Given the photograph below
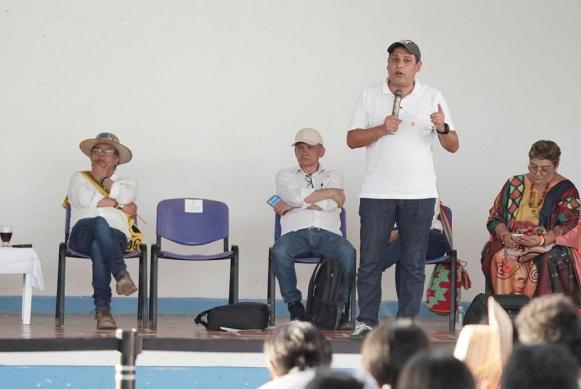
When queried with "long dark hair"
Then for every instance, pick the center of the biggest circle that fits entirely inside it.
(433, 370)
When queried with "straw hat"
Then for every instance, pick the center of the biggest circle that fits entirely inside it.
(112, 140)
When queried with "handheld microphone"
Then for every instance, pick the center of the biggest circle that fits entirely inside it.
(396, 102)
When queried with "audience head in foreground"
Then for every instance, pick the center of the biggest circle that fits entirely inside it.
(541, 366)
(431, 370)
(292, 351)
(552, 318)
(334, 380)
(389, 346)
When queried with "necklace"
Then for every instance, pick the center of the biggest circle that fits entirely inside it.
(534, 209)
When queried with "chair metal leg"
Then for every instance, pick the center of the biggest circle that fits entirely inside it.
(153, 288)
(142, 293)
(234, 265)
(60, 288)
(353, 299)
(271, 292)
(453, 297)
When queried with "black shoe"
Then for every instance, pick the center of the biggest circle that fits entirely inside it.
(297, 311)
(345, 324)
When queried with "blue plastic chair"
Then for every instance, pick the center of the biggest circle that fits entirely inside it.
(65, 252)
(446, 257)
(191, 228)
(271, 292)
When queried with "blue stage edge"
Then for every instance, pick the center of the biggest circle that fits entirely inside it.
(103, 377)
(167, 306)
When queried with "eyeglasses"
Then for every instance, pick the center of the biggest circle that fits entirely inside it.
(100, 150)
(309, 180)
(534, 169)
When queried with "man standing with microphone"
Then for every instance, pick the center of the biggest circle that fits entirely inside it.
(397, 122)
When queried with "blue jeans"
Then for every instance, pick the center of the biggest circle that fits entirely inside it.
(378, 216)
(437, 247)
(105, 246)
(313, 242)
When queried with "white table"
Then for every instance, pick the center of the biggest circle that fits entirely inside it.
(23, 261)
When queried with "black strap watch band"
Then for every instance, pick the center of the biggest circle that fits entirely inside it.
(446, 130)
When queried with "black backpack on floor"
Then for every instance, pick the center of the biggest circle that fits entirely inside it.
(323, 301)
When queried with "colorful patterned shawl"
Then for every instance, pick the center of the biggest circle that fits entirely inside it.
(560, 212)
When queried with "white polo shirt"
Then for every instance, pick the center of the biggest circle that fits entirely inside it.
(400, 166)
(293, 187)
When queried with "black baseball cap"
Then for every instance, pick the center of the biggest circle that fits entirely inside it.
(408, 45)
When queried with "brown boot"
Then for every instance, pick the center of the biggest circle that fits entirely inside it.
(105, 320)
(125, 285)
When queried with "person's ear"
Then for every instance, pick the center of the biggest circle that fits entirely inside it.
(273, 372)
(322, 152)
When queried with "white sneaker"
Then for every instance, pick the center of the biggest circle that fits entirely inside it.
(361, 330)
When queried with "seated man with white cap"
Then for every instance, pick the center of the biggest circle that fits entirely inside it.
(312, 197)
(100, 204)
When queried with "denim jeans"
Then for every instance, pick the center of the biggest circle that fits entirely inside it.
(305, 243)
(378, 216)
(437, 247)
(105, 246)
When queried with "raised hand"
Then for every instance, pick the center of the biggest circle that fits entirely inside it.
(438, 119)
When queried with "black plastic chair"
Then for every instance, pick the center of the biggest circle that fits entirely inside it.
(191, 227)
(271, 292)
(65, 252)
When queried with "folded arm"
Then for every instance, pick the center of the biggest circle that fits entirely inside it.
(82, 193)
(293, 195)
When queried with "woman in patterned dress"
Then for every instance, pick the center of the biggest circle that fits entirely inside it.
(528, 215)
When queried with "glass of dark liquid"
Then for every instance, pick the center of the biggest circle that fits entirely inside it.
(5, 235)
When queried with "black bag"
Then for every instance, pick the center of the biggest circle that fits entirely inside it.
(241, 316)
(323, 307)
(478, 309)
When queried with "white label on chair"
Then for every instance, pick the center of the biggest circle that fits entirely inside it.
(194, 206)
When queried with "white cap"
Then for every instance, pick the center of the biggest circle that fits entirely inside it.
(309, 136)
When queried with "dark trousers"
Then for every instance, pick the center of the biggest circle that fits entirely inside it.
(305, 243)
(378, 216)
(105, 245)
(437, 247)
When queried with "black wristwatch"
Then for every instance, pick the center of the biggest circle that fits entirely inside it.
(446, 130)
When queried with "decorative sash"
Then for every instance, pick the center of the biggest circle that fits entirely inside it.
(136, 234)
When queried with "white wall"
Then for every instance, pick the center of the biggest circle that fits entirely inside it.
(209, 94)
